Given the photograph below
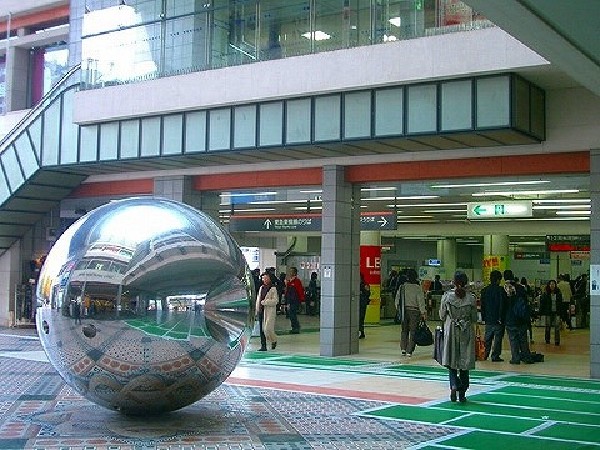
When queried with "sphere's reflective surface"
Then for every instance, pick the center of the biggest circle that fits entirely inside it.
(144, 305)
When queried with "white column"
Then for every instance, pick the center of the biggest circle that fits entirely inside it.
(446, 253)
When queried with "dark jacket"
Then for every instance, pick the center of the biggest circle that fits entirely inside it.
(519, 295)
(493, 304)
(365, 294)
(546, 304)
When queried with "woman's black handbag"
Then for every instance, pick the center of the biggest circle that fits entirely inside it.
(423, 335)
(438, 344)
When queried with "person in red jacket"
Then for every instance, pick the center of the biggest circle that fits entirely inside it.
(294, 296)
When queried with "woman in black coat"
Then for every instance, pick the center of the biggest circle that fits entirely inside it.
(551, 309)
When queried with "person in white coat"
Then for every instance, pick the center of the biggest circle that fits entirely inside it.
(266, 311)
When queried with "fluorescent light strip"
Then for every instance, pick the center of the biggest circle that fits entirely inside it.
(415, 217)
(574, 213)
(552, 207)
(279, 202)
(444, 210)
(304, 208)
(426, 205)
(227, 211)
(511, 193)
(410, 197)
(564, 200)
(386, 188)
(243, 194)
(312, 191)
(498, 183)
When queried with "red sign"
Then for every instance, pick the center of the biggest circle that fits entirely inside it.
(370, 263)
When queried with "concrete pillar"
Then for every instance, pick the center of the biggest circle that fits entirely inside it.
(339, 264)
(495, 255)
(370, 238)
(17, 67)
(179, 188)
(446, 253)
(595, 264)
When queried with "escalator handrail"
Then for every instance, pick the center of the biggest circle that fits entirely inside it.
(40, 106)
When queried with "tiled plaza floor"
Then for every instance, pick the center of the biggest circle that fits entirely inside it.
(291, 399)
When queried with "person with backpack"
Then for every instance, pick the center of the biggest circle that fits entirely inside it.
(517, 320)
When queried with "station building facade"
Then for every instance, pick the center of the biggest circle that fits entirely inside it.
(189, 99)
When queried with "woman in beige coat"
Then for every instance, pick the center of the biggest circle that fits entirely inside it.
(458, 311)
(266, 310)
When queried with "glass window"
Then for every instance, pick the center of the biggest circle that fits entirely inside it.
(109, 135)
(284, 29)
(538, 115)
(422, 109)
(245, 126)
(4, 191)
(130, 138)
(234, 33)
(398, 19)
(220, 129)
(51, 134)
(186, 44)
(56, 64)
(26, 155)
(88, 143)
(357, 115)
(271, 124)
(389, 112)
(493, 100)
(521, 104)
(35, 133)
(329, 32)
(195, 132)
(150, 136)
(456, 103)
(69, 131)
(327, 118)
(172, 131)
(297, 123)
(11, 167)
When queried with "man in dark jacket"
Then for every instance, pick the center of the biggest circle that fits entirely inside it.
(493, 311)
(517, 318)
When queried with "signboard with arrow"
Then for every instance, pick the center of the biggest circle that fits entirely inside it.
(306, 222)
(499, 209)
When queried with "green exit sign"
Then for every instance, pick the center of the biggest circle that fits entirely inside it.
(486, 210)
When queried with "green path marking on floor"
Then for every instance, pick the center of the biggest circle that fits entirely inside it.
(478, 440)
(496, 423)
(571, 432)
(473, 406)
(562, 393)
(563, 382)
(415, 413)
(530, 399)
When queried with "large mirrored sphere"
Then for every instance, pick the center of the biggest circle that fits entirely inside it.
(144, 305)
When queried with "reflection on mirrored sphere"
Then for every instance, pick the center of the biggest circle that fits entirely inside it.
(144, 305)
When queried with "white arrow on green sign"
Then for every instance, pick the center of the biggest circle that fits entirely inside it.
(499, 209)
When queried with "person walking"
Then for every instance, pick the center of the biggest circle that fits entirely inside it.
(410, 300)
(364, 299)
(564, 285)
(493, 311)
(550, 304)
(313, 294)
(266, 310)
(294, 297)
(458, 311)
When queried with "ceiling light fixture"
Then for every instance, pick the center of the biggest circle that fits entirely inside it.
(317, 35)
(396, 21)
(385, 188)
(512, 193)
(243, 194)
(552, 207)
(497, 183)
(573, 213)
(564, 200)
(410, 197)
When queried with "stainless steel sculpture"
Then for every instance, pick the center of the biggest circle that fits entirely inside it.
(144, 305)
